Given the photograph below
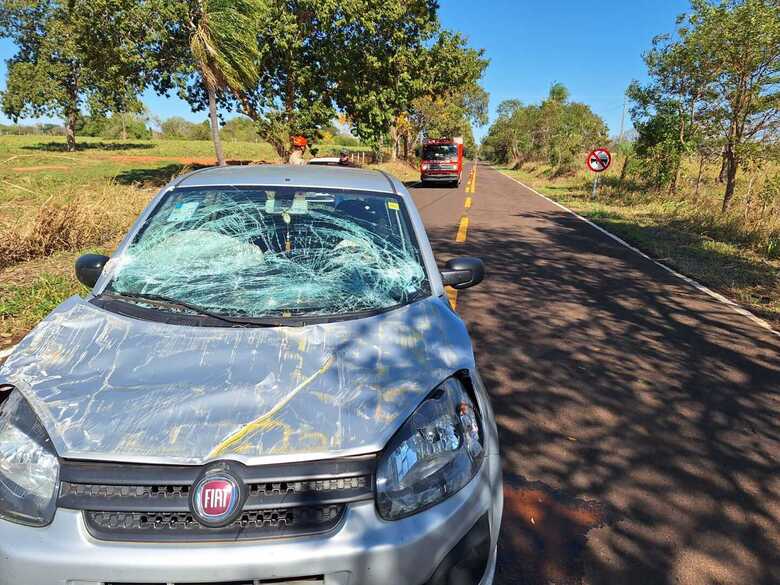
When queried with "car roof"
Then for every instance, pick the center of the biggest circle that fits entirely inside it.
(318, 176)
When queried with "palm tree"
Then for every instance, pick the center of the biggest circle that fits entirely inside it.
(223, 42)
(559, 93)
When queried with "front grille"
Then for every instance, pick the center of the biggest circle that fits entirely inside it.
(319, 580)
(128, 502)
(311, 486)
(251, 525)
(124, 492)
(175, 498)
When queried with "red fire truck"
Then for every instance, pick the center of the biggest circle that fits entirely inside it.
(442, 160)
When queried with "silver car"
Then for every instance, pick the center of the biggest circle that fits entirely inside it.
(266, 384)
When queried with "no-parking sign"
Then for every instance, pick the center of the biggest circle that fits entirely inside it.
(599, 160)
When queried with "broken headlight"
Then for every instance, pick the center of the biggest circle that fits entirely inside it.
(29, 468)
(433, 455)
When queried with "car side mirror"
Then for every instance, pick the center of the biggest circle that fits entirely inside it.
(89, 267)
(463, 272)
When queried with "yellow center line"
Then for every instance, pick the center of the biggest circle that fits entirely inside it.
(472, 182)
(452, 295)
(463, 228)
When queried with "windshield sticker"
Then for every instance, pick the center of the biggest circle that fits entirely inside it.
(183, 211)
(393, 205)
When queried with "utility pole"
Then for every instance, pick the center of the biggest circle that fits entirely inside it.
(623, 118)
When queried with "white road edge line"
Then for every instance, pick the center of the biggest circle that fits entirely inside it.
(716, 295)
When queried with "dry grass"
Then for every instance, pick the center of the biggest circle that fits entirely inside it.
(37, 250)
(401, 170)
(752, 222)
(68, 223)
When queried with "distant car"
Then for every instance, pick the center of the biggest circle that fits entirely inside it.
(266, 384)
(325, 160)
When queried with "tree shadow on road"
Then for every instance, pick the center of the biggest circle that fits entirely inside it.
(618, 388)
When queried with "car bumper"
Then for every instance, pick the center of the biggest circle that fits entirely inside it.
(441, 176)
(365, 550)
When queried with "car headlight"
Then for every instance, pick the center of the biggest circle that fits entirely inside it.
(425, 166)
(29, 468)
(434, 454)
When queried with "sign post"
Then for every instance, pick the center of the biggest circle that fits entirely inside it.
(598, 161)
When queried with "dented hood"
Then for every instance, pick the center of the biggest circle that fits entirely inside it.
(110, 387)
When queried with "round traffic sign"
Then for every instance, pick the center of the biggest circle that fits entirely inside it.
(599, 160)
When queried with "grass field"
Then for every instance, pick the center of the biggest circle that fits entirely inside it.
(56, 205)
(737, 254)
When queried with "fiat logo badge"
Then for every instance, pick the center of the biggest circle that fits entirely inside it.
(215, 499)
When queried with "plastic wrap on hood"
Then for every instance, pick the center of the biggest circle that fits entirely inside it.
(117, 388)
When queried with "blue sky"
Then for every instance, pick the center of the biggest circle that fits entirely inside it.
(595, 49)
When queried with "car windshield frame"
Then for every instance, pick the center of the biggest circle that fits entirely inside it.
(111, 297)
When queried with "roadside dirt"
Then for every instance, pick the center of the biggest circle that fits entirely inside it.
(126, 158)
(41, 168)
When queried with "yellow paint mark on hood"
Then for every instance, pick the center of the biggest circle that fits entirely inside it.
(259, 422)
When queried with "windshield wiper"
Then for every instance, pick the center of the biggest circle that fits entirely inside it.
(190, 307)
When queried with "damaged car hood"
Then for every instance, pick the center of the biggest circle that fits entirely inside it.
(111, 387)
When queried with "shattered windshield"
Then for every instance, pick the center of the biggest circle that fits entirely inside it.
(440, 152)
(275, 252)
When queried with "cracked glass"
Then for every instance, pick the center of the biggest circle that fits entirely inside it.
(275, 252)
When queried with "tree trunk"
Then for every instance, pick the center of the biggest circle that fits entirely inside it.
(394, 140)
(723, 167)
(698, 177)
(214, 122)
(731, 176)
(623, 171)
(675, 178)
(124, 127)
(406, 146)
(70, 130)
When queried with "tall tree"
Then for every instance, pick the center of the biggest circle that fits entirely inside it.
(223, 43)
(50, 74)
(359, 58)
(205, 50)
(722, 67)
(314, 59)
(556, 131)
(451, 99)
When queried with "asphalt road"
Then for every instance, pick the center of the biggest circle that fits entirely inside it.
(639, 417)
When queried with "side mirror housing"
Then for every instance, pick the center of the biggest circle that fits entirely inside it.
(89, 267)
(463, 272)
